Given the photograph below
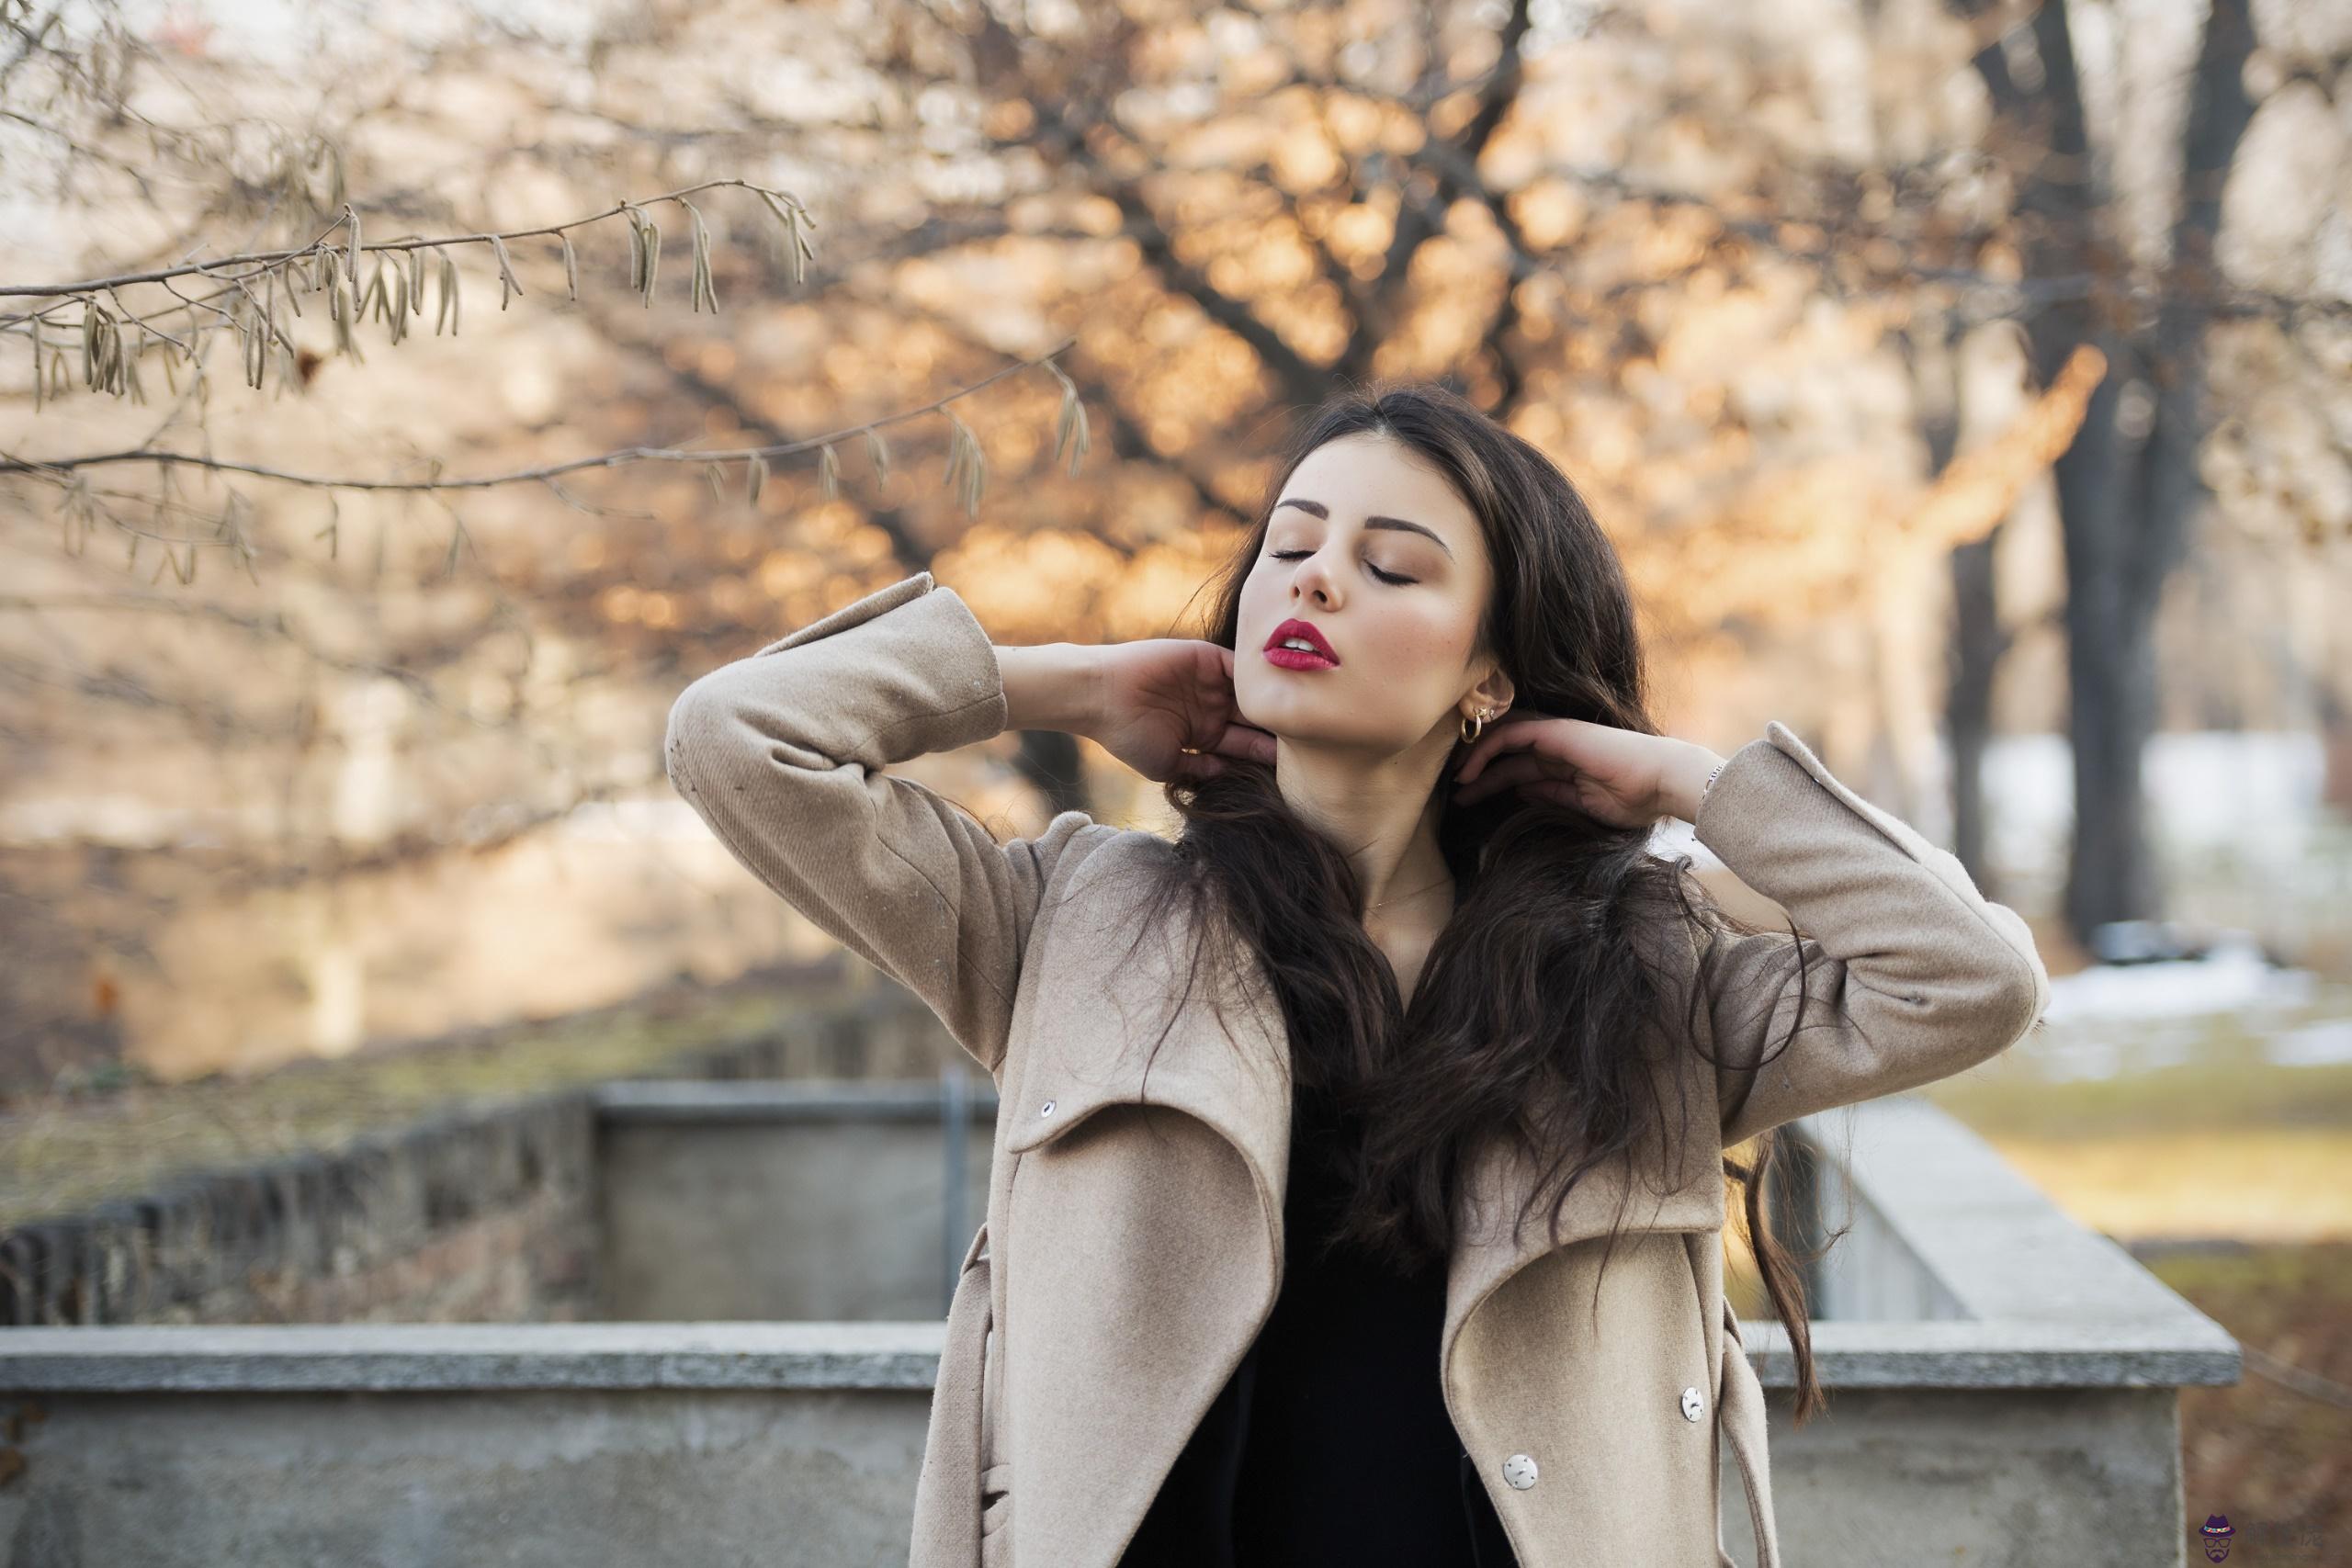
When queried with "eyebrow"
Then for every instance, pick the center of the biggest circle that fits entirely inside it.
(1319, 510)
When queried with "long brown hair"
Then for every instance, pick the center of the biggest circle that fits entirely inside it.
(1537, 1001)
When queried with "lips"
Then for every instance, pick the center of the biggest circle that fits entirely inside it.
(1323, 658)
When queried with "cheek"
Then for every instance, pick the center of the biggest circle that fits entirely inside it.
(1412, 649)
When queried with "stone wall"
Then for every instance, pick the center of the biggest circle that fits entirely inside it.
(485, 1215)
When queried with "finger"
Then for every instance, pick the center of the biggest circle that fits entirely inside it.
(1197, 765)
(1504, 772)
(1503, 737)
(1246, 741)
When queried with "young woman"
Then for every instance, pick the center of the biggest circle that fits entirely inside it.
(1360, 1168)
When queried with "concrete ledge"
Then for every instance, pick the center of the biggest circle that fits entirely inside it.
(805, 1100)
(2011, 1293)
(456, 1357)
(856, 1356)
(1994, 1356)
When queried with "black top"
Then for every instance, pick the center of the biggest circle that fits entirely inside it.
(1330, 1443)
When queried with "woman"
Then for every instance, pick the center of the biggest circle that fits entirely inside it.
(1353, 1198)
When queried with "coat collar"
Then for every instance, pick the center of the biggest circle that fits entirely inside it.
(1228, 1066)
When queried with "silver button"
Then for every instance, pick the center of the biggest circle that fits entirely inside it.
(1047, 1109)
(1691, 1405)
(1519, 1471)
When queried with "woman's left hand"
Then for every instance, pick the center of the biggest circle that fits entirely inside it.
(1621, 777)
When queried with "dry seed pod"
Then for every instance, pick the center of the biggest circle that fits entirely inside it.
(796, 246)
(829, 471)
(401, 309)
(448, 308)
(346, 312)
(701, 289)
(571, 268)
(758, 480)
(1070, 431)
(967, 465)
(879, 451)
(506, 278)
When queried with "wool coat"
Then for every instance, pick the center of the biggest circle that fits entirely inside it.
(1133, 1244)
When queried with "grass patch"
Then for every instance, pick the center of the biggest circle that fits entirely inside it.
(2009, 1098)
(2272, 1458)
(2249, 1183)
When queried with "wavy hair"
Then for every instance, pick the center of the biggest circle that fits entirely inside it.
(1542, 1004)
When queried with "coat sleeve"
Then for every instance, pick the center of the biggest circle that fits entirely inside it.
(1909, 974)
(784, 754)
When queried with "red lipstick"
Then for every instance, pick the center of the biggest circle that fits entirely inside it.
(1317, 655)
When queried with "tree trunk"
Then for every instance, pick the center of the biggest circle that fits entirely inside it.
(2128, 487)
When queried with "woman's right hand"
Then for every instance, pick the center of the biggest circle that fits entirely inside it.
(1163, 699)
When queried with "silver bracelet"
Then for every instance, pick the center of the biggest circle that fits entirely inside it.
(1710, 780)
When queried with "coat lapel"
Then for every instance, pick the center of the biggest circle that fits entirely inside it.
(1683, 1194)
(1144, 1201)
(1483, 1357)
(1230, 1073)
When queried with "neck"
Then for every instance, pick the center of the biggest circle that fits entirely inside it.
(1382, 812)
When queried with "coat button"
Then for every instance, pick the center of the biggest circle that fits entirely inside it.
(1519, 1471)
(1691, 1405)
(1047, 1109)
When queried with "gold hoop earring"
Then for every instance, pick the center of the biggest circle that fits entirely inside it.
(1469, 729)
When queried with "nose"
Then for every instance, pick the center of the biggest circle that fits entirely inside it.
(1313, 579)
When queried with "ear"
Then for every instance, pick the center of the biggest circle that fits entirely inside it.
(1494, 692)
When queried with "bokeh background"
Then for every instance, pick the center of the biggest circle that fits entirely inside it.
(1965, 385)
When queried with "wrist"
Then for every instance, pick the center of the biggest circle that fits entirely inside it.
(1051, 685)
(1690, 778)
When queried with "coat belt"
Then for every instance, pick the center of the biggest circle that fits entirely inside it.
(1740, 1410)
(948, 1490)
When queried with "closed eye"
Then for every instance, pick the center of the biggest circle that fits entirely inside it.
(1384, 576)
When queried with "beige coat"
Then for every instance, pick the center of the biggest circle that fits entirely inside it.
(1127, 1264)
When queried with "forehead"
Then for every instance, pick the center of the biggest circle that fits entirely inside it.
(1364, 473)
